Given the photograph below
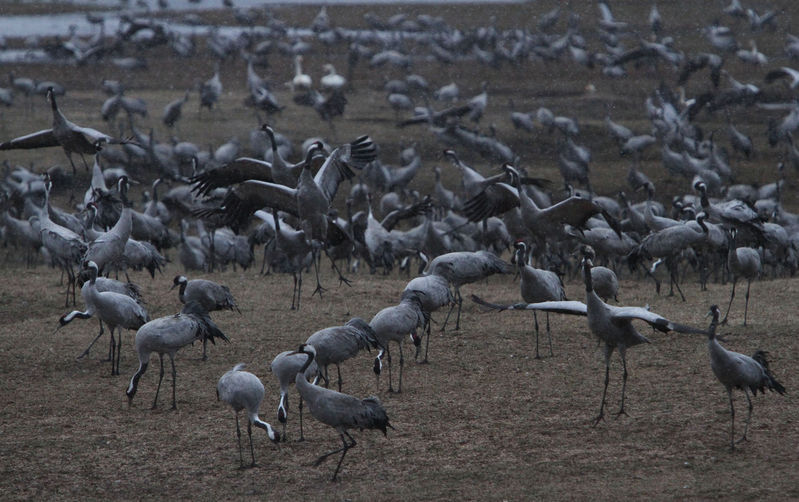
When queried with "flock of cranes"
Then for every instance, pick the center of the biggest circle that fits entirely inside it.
(723, 230)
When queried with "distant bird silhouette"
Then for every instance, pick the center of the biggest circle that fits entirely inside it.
(243, 390)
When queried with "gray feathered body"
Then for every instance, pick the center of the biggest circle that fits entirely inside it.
(338, 343)
(396, 322)
(437, 292)
(342, 411)
(464, 267)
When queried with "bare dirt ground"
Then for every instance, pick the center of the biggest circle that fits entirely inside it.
(483, 420)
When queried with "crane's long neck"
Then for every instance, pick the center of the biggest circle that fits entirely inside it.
(134, 380)
(263, 425)
(182, 291)
(589, 286)
(303, 385)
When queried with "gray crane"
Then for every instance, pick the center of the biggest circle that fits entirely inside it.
(393, 324)
(743, 262)
(107, 284)
(340, 411)
(108, 248)
(243, 390)
(65, 246)
(285, 366)
(298, 251)
(69, 136)
(210, 295)
(117, 310)
(173, 111)
(537, 285)
(336, 344)
(435, 293)
(604, 280)
(611, 324)
(465, 267)
(737, 370)
(167, 335)
(210, 90)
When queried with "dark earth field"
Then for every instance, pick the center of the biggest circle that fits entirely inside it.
(483, 420)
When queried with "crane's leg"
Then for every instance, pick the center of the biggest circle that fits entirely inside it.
(425, 328)
(378, 368)
(732, 420)
(282, 408)
(174, 377)
(746, 305)
(319, 289)
(299, 287)
(294, 291)
(343, 451)
(160, 377)
(302, 435)
(675, 279)
(119, 348)
(549, 337)
(748, 417)
(205, 343)
(608, 352)
(623, 354)
(451, 308)
(86, 352)
(252, 450)
(402, 364)
(388, 355)
(238, 435)
(459, 299)
(338, 370)
(341, 277)
(535, 321)
(113, 350)
(732, 295)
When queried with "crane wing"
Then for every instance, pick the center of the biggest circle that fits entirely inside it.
(658, 322)
(245, 198)
(39, 139)
(496, 199)
(237, 171)
(561, 307)
(342, 161)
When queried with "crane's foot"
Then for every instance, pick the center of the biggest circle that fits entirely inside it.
(742, 440)
(599, 418)
(319, 289)
(621, 412)
(84, 354)
(342, 279)
(204, 358)
(723, 322)
(423, 362)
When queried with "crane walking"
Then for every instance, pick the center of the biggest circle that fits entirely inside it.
(340, 411)
(737, 370)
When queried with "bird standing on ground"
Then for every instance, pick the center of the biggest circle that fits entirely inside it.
(336, 344)
(340, 411)
(243, 390)
(737, 370)
(115, 309)
(285, 366)
(611, 324)
(210, 295)
(166, 335)
(393, 324)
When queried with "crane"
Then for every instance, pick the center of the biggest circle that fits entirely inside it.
(737, 370)
(336, 344)
(166, 335)
(611, 324)
(338, 410)
(210, 295)
(285, 366)
(393, 324)
(243, 390)
(117, 310)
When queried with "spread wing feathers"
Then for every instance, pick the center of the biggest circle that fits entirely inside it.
(622, 315)
(342, 161)
(397, 215)
(574, 211)
(247, 197)
(496, 199)
(38, 139)
(571, 307)
(237, 171)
